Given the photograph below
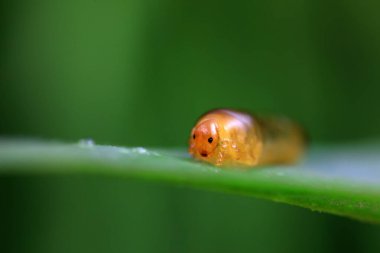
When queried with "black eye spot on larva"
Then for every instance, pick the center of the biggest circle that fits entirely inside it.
(210, 140)
(193, 136)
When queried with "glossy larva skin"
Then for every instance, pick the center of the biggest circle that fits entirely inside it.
(231, 138)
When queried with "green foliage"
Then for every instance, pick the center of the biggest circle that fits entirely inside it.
(139, 73)
(339, 180)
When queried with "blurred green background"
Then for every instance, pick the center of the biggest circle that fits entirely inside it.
(139, 73)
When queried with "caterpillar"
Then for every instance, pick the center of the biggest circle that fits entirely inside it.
(225, 137)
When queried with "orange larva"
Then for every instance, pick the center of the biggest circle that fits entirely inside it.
(226, 137)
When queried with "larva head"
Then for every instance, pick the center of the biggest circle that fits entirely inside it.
(204, 139)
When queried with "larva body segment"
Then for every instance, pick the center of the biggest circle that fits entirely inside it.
(231, 138)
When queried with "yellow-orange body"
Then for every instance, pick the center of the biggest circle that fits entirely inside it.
(231, 138)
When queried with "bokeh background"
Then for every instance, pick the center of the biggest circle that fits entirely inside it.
(139, 73)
